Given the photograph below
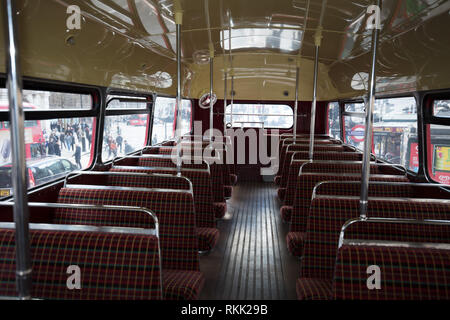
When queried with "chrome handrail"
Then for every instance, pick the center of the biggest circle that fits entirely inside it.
(382, 183)
(338, 162)
(352, 221)
(163, 169)
(74, 174)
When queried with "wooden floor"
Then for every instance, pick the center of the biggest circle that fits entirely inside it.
(251, 260)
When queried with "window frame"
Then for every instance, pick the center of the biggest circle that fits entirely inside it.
(174, 124)
(191, 117)
(35, 115)
(327, 124)
(126, 94)
(430, 119)
(363, 115)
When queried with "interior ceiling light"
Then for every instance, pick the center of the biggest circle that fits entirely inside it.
(262, 38)
(201, 56)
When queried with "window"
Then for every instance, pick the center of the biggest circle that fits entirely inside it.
(123, 135)
(260, 115)
(164, 118)
(441, 108)
(125, 129)
(123, 102)
(282, 39)
(334, 120)
(438, 144)
(395, 131)
(48, 100)
(355, 107)
(185, 117)
(53, 147)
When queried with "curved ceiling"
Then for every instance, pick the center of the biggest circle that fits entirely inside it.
(130, 44)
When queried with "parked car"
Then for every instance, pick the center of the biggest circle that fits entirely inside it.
(39, 171)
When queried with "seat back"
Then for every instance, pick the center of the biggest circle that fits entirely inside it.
(174, 209)
(382, 189)
(288, 150)
(329, 213)
(299, 158)
(406, 273)
(114, 265)
(305, 187)
(201, 184)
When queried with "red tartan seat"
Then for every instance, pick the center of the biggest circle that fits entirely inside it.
(306, 183)
(406, 273)
(294, 242)
(328, 215)
(182, 285)
(207, 238)
(220, 209)
(175, 212)
(216, 173)
(288, 151)
(201, 185)
(298, 159)
(96, 253)
(313, 289)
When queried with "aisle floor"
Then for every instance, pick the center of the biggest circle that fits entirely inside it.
(251, 260)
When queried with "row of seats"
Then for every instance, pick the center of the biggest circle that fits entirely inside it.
(185, 209)
(321, 195)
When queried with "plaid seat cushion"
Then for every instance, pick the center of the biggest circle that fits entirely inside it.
(182, 285)
(286, 213)
(313, 289)
(220, 208)
(99, 256)
(295, 242)
(406, 273)
(175, 212)
(207, 238)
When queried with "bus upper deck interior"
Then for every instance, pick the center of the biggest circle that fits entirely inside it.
(225, 149)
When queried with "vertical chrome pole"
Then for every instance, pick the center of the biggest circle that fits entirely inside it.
(225, 95)
(365, 175)
(232, 95)
(19, 168)
(297, 71)
(314, 102)
(178, 21)
(211, 83)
